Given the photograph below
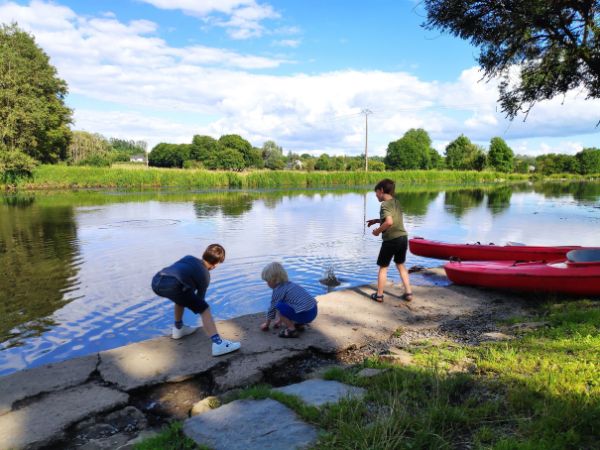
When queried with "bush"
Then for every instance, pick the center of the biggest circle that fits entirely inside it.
(95, 161)
(192, 164)
(15, 165)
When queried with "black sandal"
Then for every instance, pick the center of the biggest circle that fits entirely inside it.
(377, 298)
(408, 296)
(300, 327)
(287, 333)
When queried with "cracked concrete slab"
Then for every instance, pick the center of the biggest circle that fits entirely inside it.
(320, 392)
(43, 421)
(346, 319)
(251, 425)
(52, 377)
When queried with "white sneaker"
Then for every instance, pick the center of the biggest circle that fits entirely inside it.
(225, 347)
(178, 333)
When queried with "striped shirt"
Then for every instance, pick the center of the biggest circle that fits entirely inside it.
(292, 294)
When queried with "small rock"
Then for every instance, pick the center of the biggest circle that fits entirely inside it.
(495, 336)
(529, 326)
(368, 372)
(204, 405)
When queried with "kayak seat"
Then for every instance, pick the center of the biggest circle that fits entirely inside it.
(584, 255)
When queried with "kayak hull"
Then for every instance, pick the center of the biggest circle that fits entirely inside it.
(560, 276)
(478, 252)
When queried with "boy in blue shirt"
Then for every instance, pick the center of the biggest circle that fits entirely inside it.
(184, 283)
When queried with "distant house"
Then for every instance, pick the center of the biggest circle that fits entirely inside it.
(139, 158)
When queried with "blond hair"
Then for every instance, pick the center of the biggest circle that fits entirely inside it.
(274, 273)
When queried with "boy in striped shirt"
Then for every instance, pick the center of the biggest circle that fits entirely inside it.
(295, 306)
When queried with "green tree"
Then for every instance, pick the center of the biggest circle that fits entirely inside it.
(252, 157)
(500, 157)
(436, 160)
(169, 155)
(588, 160)
(33, 115)
(272, 155)
(227, 159)
(86, 147)
(203, 148)
(556, 163)
(411, 151)
(323, 162)
(462, 154)
(376, 166)
(554, 44)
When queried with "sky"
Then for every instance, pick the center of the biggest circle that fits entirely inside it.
(300, 73)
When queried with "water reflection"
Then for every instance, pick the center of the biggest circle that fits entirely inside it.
(460, 201)
(498, 200)
(38, 257)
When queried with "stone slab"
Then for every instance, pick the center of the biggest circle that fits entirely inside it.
(250, 425)
(51, 377)
(320, 392)
(43, 421)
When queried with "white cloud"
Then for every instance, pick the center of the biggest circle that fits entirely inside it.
(126, 64)
(243, 17)
(292, 43)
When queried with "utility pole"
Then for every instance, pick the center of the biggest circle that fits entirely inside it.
(366, 112)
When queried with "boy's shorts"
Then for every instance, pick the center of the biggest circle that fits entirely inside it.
(395, 248)
(171, 288)
(302, 318)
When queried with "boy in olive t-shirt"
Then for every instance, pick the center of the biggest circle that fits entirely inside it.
(395, 238)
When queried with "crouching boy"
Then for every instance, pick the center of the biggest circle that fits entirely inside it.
(295, 306)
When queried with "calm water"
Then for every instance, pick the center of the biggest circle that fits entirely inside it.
(76, 267)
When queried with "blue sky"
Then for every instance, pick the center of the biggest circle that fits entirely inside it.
(298, 73)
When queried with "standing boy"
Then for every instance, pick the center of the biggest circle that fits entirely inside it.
(395, 238)
(185, 283)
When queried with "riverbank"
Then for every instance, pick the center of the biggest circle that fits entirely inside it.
(49, 177)
(434, 340)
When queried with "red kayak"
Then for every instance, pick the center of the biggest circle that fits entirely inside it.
(481, 252)
(578, 275)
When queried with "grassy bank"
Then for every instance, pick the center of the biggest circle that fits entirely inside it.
(70, 177)
(540, 391)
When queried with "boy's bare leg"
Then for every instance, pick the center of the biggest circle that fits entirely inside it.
(208, 323)
(381, 279)
(178, 313)
(405, 278)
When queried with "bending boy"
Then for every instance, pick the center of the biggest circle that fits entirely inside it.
(184, 283)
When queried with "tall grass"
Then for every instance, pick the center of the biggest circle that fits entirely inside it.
(69, 177)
